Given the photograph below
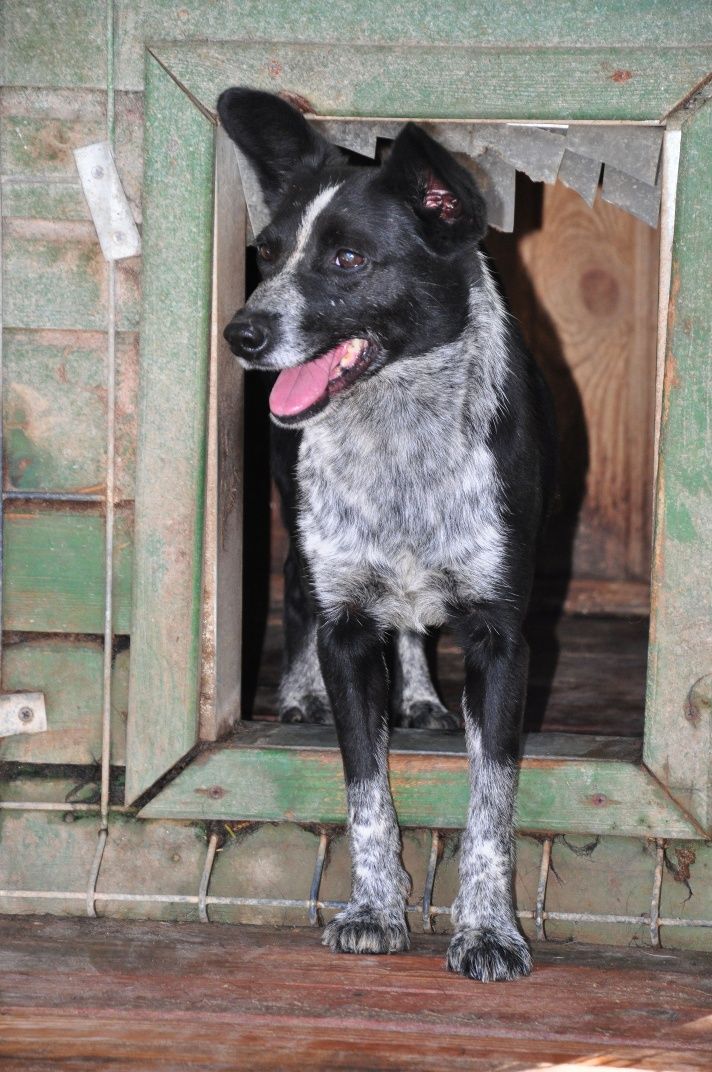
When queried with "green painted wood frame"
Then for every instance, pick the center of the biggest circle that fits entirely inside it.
(667, 791)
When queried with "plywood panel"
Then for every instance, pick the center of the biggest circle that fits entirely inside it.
(583, 284)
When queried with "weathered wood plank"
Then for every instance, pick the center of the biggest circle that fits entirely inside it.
(178, 201)
(490, 25)
(128, 147)
(69, 673)
(580, 796)
(54, 43)
(44, 200)
(54, 411)
(221, 656)
(151, 858)
(54, 572)
(42, 851)
(40, 128)
(467, 82)
(678, 742)
(56, 277)
(264, 998)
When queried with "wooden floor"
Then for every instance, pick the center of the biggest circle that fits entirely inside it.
(127, 997)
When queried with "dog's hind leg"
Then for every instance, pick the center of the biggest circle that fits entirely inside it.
(417, 704)
(302, 694)
(487, 944)
(351, 651)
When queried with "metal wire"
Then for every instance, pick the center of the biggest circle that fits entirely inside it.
(94, 872)
(657, 887)
(205, 879)
(18, 495)
(430, 879)
(110, 460)
(316, 879)
(313, 904)
(541, 889)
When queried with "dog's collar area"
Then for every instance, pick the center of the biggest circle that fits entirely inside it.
(306, 388)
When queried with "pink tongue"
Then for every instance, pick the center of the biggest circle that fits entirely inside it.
(300, 388)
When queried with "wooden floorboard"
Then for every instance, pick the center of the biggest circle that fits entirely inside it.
(101, 994)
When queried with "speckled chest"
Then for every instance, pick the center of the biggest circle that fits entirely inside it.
(399, 514)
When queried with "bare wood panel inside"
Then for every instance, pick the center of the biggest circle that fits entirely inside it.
(583, 284)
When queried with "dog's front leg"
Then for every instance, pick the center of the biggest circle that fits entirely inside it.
(487, 944)
(351, 653)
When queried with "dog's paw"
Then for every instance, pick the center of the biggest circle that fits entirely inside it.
(489, 955)
(310, 708)
(361, 929)
(429, 715)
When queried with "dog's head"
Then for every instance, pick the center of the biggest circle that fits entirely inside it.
(360, 266)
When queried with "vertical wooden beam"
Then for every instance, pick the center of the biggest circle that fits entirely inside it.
(177, 265)
(678, 737)
(222, 562)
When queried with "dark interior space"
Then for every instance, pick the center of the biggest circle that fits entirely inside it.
(582, 284)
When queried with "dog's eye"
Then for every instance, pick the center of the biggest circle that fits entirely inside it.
(265, 252)
(349, 258)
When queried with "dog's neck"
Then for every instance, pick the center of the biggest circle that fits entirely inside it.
(451, 391)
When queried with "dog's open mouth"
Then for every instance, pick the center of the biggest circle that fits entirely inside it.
(312, 384)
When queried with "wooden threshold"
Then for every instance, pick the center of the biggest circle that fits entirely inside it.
(568, 783)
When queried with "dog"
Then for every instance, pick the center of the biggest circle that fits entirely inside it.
(421, 478)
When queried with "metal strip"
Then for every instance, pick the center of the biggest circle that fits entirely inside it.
(110, 458)
(205, 878)
(657, 887)
(17, 495)
(94, 872)
(284, 902)
(109, 207)
(669, 169)
(22, 712)
(316, 879)
(541, 889)
(430, 879)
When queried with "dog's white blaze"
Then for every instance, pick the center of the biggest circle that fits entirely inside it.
(306, 225)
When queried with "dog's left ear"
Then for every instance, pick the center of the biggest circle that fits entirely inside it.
(274, 136)
(439, 190)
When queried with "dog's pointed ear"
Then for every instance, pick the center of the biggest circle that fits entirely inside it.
(441, 192)
(274, 136)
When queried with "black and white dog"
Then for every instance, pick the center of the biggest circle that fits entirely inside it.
(423, 470)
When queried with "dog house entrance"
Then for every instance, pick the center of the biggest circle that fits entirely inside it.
(580, 272)
(576, 249)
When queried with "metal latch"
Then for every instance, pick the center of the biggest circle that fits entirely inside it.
(22, 712)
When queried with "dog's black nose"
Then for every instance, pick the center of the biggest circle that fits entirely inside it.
(249, 335)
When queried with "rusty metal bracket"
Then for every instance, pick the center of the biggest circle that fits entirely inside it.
(22, 712)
